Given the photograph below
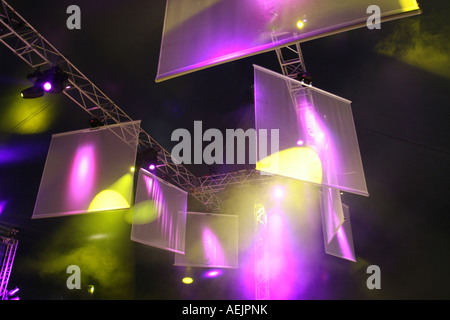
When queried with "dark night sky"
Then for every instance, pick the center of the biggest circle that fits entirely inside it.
(400, 106)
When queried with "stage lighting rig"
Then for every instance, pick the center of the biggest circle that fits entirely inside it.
(305, 77)
(53, 80)
(94, 123)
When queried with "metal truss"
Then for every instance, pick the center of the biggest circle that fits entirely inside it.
(290, 57)
(213, 184)
(292, 66)
(7, 239)
(291, 63)
(262, 290)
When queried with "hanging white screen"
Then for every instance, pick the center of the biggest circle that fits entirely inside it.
(331, 212)
(88, 170)
(338, 239)
(159, 217)
(211, 241)
(198, 34)
(313, 130)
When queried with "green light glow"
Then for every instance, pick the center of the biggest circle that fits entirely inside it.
(144, 212)
(108, 200)
(27, 116)
(422, 42)
(106, 263)
(113, 197)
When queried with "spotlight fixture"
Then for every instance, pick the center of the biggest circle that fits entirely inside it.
(53, 80)
(47, 86)
(148, 159)
(32, 92)
(95, 123)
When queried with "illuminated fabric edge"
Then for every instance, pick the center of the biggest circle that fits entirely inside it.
(154, 245)
(142, 170)
(346, 223)
(358, 192)
(389, 16)
(87, 130)
(71, 213)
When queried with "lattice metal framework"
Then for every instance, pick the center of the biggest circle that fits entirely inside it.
(7, 239)
(262, 290)
(213, 184)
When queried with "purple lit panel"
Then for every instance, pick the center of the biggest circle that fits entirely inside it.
(83, 174)
(331, 212)
(159, 217)
(3, 204)
(88, 171)
(211, 241)
(341, 242)
(328, 154)
(199, 34)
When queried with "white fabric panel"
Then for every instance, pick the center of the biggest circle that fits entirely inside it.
(198, 34)
(211, 241)
(315, 132)
(341, 245)
(88, 170)
(159, 217)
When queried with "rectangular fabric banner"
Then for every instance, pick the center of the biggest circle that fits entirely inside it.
(315, 133)
(88, 170)
(211, 241)
(199, 34)
(159, 215)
